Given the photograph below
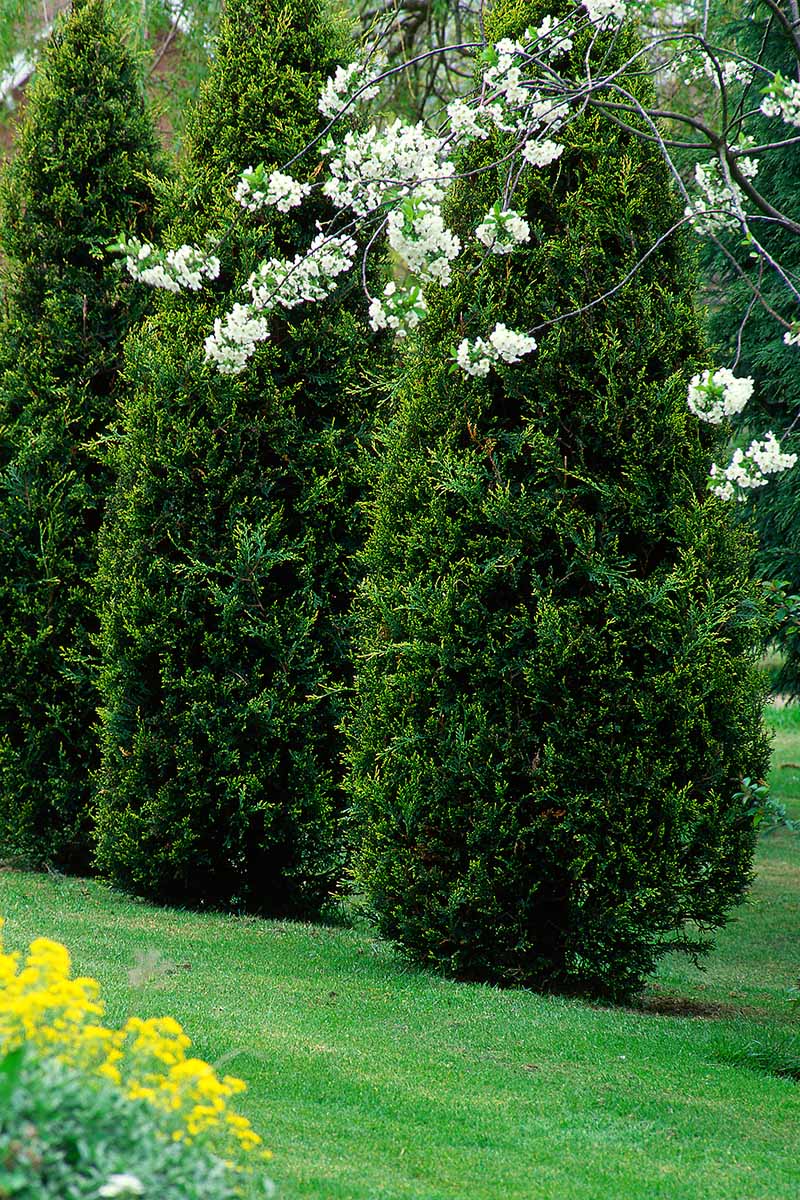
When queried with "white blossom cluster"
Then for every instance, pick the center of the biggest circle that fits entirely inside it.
(417, 232)
(373, 168)
(508, 105)
(400, 309)
(507, 100)
(172, 270)
(123, 1185)
(277, 283)
(234, 339)
(783, 100)
(256, 190)
(541, 153)
(502, 230)
(503, 73)
(604, 12)
(308, 277)
(551, 39)
(750, 468)
(284, 192)
(792, 336)
(464, 121)
(716, 207)
(722, 74)
(343, 85)
(503, 345)
(715, 397)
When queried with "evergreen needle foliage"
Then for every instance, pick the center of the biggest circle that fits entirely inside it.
(759, 338)
(85, 152)
(556, 695)
(225, 575)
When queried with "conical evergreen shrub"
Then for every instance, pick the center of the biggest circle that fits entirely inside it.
(774, 366)
(556, 697)
(85, 151)
(225, 575)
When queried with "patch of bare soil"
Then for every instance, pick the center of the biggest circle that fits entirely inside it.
(673, 1004)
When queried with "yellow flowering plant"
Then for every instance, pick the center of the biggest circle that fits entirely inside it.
(43, 1007)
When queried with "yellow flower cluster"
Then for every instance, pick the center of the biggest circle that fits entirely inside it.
(42, 1006)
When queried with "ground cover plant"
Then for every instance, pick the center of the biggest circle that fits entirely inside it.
(87, 1110)
(86, 151)
(371, 1080)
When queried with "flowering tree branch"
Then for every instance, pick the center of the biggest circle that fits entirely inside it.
(389, 182)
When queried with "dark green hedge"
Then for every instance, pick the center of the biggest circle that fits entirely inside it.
(225, 574)
(80, 173)
(556, 696)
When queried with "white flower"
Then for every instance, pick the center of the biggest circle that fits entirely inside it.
(502, 230)
(474, 358)
(332, 101)
(285, 192)
(122, 1185)
(768, 457)
(419, 235)
(504, 345)
(783, 100)
(171, 270)
(604, 12)
(401, 309)
(342, 86)
(235, 338)
(721, 73)
(552, 38)
(792, 336)
(503, 75)
(720, 202)
(510, 346)
(541, 153)
(309, 276)
(370, 169)
(750, 468)
(464, 120)
(712, 398)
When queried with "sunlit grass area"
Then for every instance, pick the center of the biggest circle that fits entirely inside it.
(371, 1080)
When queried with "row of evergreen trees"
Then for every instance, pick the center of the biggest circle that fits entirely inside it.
(554, 694)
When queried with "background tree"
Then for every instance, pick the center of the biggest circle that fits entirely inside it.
(86, 151)
(746, 331)
(171, 38)
(225, 573)
(556, 696)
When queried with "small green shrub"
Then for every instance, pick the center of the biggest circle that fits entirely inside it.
(557, 698)
(85, 150)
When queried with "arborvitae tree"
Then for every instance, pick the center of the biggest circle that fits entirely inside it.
(85, 153)
(556, 697)
(225, 575)
(763, 354)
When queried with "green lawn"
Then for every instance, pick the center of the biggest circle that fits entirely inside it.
(373, 1081)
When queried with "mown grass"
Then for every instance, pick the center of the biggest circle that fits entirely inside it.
(373, 1081)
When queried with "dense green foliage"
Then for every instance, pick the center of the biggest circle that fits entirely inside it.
(556, 691)
(773, 365)
(225, 577)
(81, 172)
